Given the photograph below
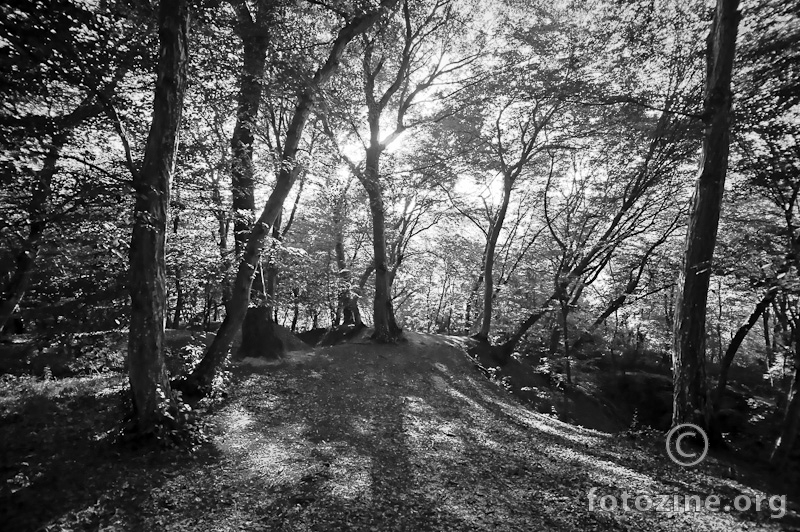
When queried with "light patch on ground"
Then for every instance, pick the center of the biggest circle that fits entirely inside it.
(351, 477)
(237, 420)
(292, 357)
(477, 409)
(549, 425)
(439, 383)
(362, 425)
(259, 362)
(441, 367)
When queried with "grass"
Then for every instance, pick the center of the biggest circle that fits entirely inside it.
(353, 437)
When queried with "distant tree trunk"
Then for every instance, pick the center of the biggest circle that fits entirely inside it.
(296, 305)
(613, 306)
(488, 266)
(733, 347)
(16, 286)
(348, 297)
(148, 375)
(202, 378)
(254, 34)
(179, 301)
(503, 352)
(565, 325)
(690, 403)
(791, 420)
(767, 342)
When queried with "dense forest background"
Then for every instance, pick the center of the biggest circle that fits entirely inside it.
(521, 172)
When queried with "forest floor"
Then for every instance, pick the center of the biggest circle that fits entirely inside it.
(352, 437)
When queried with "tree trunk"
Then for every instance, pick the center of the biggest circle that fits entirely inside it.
(148, 375)
(736, 342)
(179, 301)
(255, 39)
(203, 376)
(296, 307)
(565, 325)
(348, 294)
(348, 297)
(509, 345)
(767, 342)
(689, 373)
(386, 328)
(17, 285)
(269, 282)
(488, 267)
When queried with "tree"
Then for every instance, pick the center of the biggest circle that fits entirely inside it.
(56, 84)
(400, 62)
(254, 31)
(767, 134)
(203, 376)
(690, 403)
(148, 375)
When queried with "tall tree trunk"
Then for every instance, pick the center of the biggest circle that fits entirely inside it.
(255, 39)
(386, 328)
(203, 376)
(690, 403)
(488, 267)
(736, 342)
(148, 375)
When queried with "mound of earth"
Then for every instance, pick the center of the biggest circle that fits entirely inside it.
(263, 338)
(312, 336)
(345, 334)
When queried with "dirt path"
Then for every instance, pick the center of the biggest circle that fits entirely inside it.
(412, 437)
(352, 437)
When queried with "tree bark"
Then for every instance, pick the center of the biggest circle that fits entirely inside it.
(255, 39)
(386, 328)
(147, 372)
(203, 376)
(690, 403)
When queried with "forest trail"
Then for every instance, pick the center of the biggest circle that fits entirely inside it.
(413, 437)
(358, 437)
